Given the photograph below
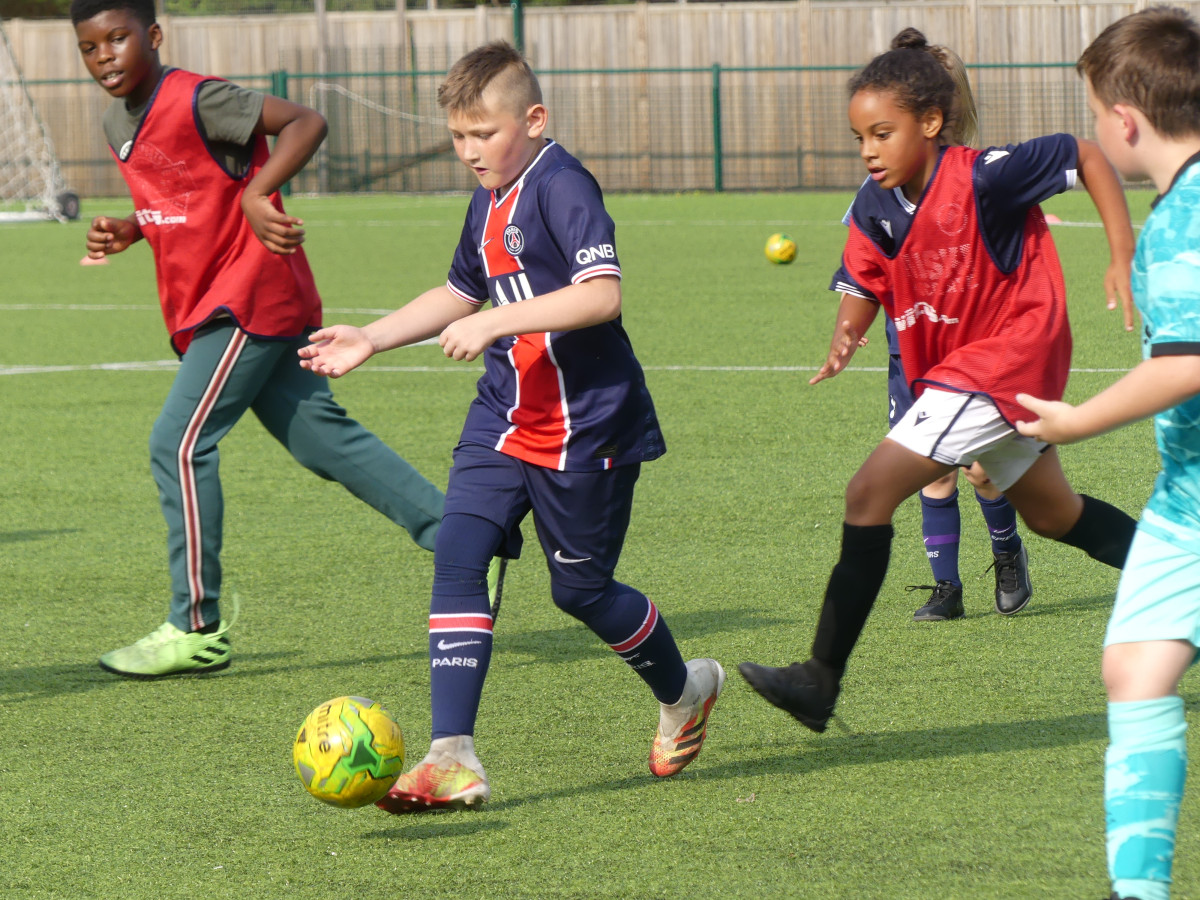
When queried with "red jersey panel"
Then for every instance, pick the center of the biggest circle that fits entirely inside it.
(541, 427)
(963, 323)
(206, 256)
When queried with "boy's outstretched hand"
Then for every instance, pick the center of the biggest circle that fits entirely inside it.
(1053, 424)
(108, 235)
(279, 232)
(336, 350)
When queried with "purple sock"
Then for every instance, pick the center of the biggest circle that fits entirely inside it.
(941, 524)
(1001, 521)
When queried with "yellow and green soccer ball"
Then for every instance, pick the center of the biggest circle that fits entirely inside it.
(349, 752)
(780, 248)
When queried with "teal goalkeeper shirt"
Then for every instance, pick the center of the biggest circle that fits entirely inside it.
(1166, 288)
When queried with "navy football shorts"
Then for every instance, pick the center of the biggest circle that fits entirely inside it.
(581, 517)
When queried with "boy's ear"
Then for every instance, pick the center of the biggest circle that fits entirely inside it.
(155, 34)
(1129, 122)
(536, 118)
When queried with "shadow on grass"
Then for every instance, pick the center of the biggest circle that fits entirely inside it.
(574, 641)
(16, 537)
(443, 824)
(27, 683)
(812, 753)
(1064, 605)
(41, 682)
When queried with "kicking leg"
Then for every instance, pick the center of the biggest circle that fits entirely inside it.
(582, 551)
(809, 690)
(298, 409)
(1052, 509)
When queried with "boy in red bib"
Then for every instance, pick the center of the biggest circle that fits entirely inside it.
(238, 298)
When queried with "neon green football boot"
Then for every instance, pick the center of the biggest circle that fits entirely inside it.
(169, 651)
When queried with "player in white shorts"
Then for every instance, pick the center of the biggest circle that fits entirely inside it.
(950, 243)
(957, 428)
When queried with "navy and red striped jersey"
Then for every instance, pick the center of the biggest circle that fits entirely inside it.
(969, 276)
(570, 400)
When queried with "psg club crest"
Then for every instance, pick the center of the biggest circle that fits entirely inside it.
(514, 241)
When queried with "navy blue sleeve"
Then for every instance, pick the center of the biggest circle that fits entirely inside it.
(573, 206)
(1018, 176)
(466, 278)
(844, 283)
(1009, 180)
(860, 209)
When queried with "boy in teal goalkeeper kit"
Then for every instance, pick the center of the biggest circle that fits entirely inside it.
(238, 299)
(1143, 88)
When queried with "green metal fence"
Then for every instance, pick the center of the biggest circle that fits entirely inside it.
(709, 128)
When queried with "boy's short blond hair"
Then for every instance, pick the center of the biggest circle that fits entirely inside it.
(497, 64)
(1149, 60)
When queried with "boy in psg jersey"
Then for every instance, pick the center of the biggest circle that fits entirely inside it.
(560, 427)
(238, 298)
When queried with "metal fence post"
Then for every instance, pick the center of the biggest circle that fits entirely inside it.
(279, 83)
(718, 174)
(279, 88)
(518, 14)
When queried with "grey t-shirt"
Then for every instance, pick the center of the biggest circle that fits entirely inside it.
(228, 114)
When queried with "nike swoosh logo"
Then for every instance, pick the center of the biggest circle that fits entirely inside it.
(558, 557)
(442, 645)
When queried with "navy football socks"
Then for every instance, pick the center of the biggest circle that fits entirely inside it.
(625, 619)
(460, 622)
(1001, 521)
(941, 525)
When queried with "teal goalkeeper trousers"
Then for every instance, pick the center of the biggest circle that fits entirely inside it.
(223, 373)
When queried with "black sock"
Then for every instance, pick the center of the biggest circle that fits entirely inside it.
(1103, 532)
(210, 628)
(853, 587)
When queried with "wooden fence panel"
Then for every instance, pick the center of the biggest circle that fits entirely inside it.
(637, 126)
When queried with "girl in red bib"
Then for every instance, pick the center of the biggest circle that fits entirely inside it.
(950, 242)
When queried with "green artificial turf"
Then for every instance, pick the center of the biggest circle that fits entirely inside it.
(968, 762)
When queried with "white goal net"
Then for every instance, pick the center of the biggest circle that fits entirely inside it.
(31, 184)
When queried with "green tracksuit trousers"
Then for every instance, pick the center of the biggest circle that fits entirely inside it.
(223, 373)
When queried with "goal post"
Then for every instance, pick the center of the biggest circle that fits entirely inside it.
(31, 183)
